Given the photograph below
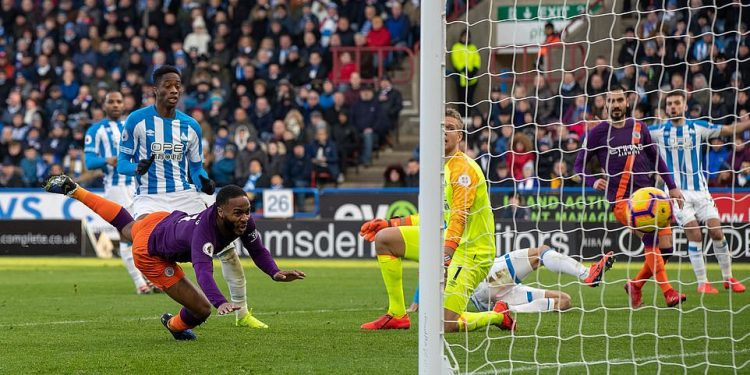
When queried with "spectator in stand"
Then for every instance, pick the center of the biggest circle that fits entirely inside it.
(369, 119)
(324, 154)
(569, 90)
(391, 103)
(741, 153)
(521, 154)
(297, 172)
(504, 179)
(276, 152)
(394, 177)
(347, 137)
(544, 100)
(578, 112)
(515, 210)
(32, 167)
(9, 175)
(398, 26)
(717, 160)
(257, 179)
(466, 62)
(411, 178)
(351, 94)
(199, 38)
(262, 118)
(529, 180)
(742, 179)
(552, 39)
(222, 170)
(252, 151)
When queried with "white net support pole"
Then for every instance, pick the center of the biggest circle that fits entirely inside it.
(430, 194)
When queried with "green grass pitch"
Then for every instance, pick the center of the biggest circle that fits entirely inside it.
(66, 315)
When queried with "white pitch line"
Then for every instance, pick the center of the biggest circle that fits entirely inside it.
(614, 361)
(286, 312)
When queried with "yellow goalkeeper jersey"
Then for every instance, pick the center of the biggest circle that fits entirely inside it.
(467, 212)
(470, 224)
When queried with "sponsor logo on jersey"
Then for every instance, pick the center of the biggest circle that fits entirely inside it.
(626, 150)
(167, 151)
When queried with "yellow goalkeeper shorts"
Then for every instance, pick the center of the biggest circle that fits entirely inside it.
(466, 271)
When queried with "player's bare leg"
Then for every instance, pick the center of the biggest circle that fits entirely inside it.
(695, 253)
(721, 250)
(196, 309)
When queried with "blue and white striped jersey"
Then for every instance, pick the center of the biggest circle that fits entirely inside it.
(681, 147)
(175, 143)
(101, 142)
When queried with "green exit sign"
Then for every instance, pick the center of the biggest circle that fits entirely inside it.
(541, 12)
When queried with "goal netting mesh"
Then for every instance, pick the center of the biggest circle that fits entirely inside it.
(539, 86)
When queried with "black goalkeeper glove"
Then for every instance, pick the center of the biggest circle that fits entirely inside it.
(207, 185)
(144, 165)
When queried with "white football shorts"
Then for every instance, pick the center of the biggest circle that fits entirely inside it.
(189, 201)
(699, 205)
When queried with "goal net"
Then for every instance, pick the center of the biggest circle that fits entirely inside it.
(537, 90)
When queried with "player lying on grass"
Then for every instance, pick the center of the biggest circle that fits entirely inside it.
(468, 248)
(162, 239)
(504, 283)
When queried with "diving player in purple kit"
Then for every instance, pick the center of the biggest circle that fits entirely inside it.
(162, 239)
(630, 159)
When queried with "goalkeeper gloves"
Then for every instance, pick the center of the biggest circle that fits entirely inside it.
(370, 228)
(144, 165)
(207, 185)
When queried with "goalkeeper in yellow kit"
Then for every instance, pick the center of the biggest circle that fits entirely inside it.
(468, 249)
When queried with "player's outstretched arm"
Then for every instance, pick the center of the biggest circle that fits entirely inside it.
(735, 128)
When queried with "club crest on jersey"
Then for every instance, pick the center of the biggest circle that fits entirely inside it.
(464, 180)
(169, 272)
(208, 249)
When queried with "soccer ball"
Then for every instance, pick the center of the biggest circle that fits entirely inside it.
(649, 209)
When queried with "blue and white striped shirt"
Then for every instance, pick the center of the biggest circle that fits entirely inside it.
(681, 147)
(175, 142)
(101, 143)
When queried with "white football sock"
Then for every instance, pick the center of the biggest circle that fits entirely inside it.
(557, 262)
(695, 253)
(126, 253)
(231, 268)
(721, 250)
(537, 305)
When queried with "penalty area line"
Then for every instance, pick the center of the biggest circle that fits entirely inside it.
(614, 361)
(63, 322)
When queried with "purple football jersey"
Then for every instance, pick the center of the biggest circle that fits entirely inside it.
(180, 237)
(612, 146)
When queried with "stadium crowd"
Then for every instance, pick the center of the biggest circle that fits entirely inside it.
(537, 127)
(257, 74)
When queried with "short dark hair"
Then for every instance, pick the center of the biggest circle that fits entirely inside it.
(228, 192)
(680, 93)
(162, 71)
